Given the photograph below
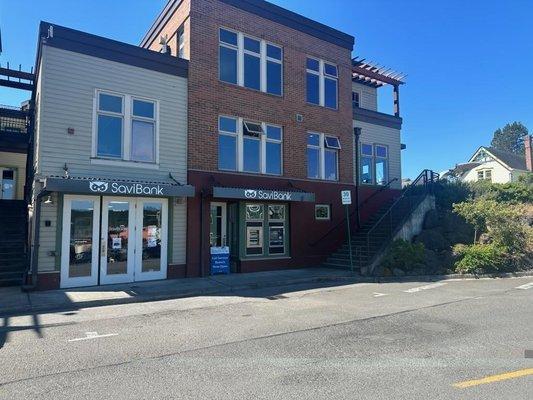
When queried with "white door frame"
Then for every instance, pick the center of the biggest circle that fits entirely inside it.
(66, 281)
(162, 273)
(106, 279)
(224, 230)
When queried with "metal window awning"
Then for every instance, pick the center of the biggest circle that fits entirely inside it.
(117, 187)
(262, 194)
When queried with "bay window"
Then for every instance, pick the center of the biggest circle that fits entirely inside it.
(250, 62)
(323, 156)
(248, 146)
(322, 83)
(125, 128)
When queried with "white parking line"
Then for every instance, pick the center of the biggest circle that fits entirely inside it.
(91, 336)
(526, 286)
(377, 294)
(425, 287)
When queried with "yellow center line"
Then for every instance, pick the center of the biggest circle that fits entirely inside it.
(494, 378)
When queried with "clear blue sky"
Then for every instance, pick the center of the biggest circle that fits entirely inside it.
(468, 62)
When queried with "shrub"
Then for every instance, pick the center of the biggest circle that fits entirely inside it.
(479, 258)
(433, 239)
(403, 255)
(448, 193)
(512, 192)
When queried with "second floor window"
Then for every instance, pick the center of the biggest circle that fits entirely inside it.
(323, 156)
(248, 146)
(322, 83)
(126, 128)
(180, 41)
(356, 99)
(250, 62)
(374, 164)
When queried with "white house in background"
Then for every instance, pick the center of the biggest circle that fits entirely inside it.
(491, 164)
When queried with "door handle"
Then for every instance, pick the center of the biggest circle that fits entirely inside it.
(103, 247)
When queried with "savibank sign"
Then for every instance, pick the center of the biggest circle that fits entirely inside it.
(261, 194)
(132, 189)
(117, 187)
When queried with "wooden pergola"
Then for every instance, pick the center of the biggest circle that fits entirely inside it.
(372, 74)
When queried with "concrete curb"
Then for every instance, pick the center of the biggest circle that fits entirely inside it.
(223, 289)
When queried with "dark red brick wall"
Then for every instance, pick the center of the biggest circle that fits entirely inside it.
(209, 97)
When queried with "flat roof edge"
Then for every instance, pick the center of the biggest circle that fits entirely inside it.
(112, 50)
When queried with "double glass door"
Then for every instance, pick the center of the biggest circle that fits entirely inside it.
(113, 240)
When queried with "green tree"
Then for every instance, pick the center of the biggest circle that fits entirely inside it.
(510, 138)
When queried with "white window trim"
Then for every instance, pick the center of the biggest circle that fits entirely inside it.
(322, 156)
(360, 93)
(262, 146)
(374, 157)
(328, 207)
(321, 81)
(263, 59)
(127, 118)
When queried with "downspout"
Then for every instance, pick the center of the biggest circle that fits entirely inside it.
(36, 241)
(357, 134)
(202, 274)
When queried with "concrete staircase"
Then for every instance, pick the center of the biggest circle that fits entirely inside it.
(13, 254)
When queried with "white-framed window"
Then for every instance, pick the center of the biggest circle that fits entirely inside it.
(250, 62)
(322, 212)
(248, 146)
(323, 156)
(374, 164)
(322, 83)
(356, 99)
(180, 42)
(484, 175)
(125, 128)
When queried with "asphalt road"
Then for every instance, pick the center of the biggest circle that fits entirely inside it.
(365, 341)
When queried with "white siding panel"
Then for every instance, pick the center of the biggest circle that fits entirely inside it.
(67, 96)
(376, 134)
(368, 96)
(47, 262)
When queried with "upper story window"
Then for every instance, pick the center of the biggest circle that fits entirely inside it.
(250, 62)
(126, 128)
(322, 83)
(484, 175)
(248, 146)
(181, 43)
(323, 156)
(374, 164)
(356, 99)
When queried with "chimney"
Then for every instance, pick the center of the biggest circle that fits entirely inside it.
(529, 152)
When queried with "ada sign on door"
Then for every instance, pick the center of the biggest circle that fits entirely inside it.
(346, 196)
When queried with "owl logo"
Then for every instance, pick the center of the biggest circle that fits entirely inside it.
(250, 194)
(98, 186)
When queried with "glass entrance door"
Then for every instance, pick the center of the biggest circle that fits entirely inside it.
(217, 233)
(7, 184)
(79, 256)
(128, 244)
(117, 241)
(151, 239)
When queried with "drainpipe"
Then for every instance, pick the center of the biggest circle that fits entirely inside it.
(357, 134)
(202, 274)
(36, 241)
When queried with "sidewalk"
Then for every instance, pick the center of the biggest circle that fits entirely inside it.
(14, 301)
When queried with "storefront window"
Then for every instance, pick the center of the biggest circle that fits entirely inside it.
(265, 233)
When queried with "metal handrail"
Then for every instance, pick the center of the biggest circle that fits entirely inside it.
(426, 178)
(342, 222)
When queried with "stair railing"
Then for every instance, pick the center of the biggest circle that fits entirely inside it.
(342, 222)
(398, 212)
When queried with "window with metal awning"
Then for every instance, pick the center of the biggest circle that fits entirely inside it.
(117, 187)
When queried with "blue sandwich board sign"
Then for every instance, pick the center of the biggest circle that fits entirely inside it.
(220, 260)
